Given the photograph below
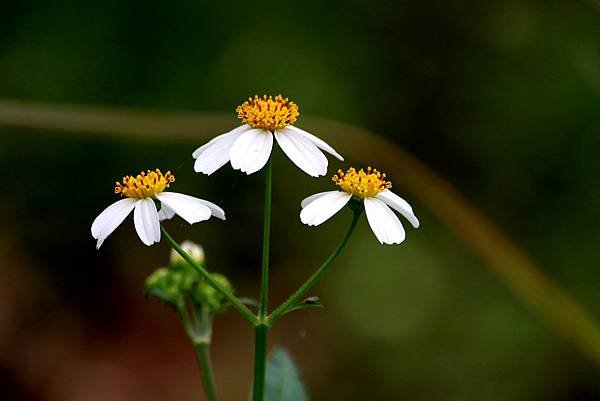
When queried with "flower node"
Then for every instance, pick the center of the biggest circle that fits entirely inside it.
(145, 184)
(362, 184)
(268, 113)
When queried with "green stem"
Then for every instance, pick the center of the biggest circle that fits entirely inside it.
(200, 332)
(262, 330)
(235, 303)
(206, 370)
(264, 283)
(188, 325)
(312, 280)
(260, 362)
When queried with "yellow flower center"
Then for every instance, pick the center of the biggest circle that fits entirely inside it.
(362, 184)
(145, 184)
(268, 113)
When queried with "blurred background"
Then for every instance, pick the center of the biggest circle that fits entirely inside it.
(500, 98)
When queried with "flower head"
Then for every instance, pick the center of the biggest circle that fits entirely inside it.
(361, 184)
(140, 194)
(145, 184)
(372, 189)
(268, 113)
(249, 146)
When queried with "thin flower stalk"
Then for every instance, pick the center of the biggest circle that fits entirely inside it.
(312, 280)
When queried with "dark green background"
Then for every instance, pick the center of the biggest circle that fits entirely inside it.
(499, 97)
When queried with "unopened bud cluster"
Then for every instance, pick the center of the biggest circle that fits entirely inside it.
(180, 281)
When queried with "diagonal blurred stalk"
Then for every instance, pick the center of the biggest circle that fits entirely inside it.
(522, 275)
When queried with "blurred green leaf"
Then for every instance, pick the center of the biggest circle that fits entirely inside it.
(283, 379)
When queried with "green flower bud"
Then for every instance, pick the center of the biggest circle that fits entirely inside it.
(180, 281)
(195, 251)
(205, 294)
(188, 276)
(165, 284)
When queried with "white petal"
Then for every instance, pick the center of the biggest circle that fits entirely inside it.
(165, 212)
(302, 152)
(146, 221)
(214, 209)
(189, 208)
(214, 154)
(321, 144)
(311, 198)
(234, 132)
(385, 224)
(251, 151)
(400, 205)
(111, 218)
(322, 208)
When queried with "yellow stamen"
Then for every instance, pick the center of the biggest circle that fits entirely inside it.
(145, 184)
(268, 113)
(362, 184)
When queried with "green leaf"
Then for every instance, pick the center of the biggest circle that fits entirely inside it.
(283, 379)
(310, 302)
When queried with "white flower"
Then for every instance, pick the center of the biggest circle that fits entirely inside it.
(373, 190)
(141, 192)
(248, 147)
